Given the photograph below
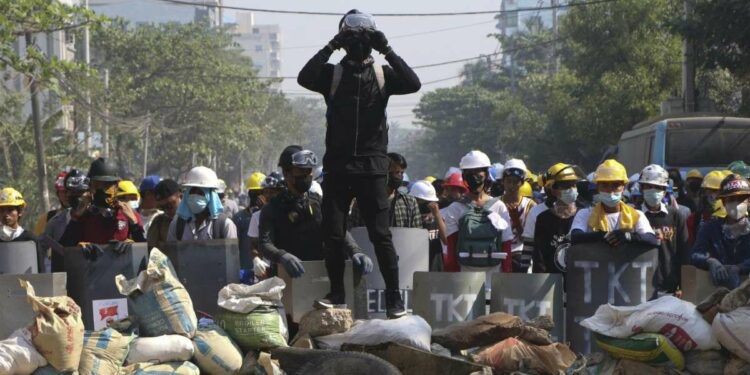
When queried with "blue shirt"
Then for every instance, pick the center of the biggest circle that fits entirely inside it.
(712, 243)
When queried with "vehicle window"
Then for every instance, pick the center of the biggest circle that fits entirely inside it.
(704, 147)
(632, 153)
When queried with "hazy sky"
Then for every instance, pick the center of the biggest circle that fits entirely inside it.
(316, 31)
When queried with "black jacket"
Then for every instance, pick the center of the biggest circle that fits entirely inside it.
(357, 132)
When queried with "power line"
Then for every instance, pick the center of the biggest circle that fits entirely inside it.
(338, 14)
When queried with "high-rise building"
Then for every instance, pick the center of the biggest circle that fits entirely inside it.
(262, 43)
(511, 22)
(156, 11)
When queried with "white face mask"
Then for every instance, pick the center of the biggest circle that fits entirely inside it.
(134, 204)
(736, 211)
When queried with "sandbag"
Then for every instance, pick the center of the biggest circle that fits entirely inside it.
(162, 349)
(215, 353)
(650, 348)
(175, 368)
(18, 355)
(672, 317)
(733, 331)
(738, 297)
(104, 352)
(489, 330)
(706, 362)
(409, 330)
(161, 303)
(253, 315)
(737, 366)
(513, 354)
(49, 370)
(57, 329)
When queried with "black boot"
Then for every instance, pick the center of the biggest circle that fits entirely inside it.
(394, 305)
(330, 301)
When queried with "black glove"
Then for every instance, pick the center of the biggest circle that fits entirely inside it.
(121, 247)
(292, 265)
(337, 42)
(91, 251)
(618, 237)
(379, 42)
(719, 273)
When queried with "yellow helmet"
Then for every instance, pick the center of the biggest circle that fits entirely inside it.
(611, 171)
(255, 181)
(694, 173)
(713, 179)
(127, 187)
(526, 190)
(10, 197)
(559, 172)
(430, 179)
(719, 210)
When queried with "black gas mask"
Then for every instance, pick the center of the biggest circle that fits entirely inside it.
(357, 44)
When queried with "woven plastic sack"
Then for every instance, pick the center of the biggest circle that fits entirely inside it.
(162, 349)
(215, 353)
(18, 355)
(733, 331)
(104, 352)
(512, 355)
(173, 368)
(651, 348)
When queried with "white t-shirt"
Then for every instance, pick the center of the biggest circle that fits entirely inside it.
(499, 217)
(581, 222)
(253, 230)
(530, 225)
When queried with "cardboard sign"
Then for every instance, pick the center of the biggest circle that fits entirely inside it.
(107, 310)
(529, 296)
(412, 247)
(89, 281)
(300, 293)
(696, 284)
(444, 298)
(18, 258)
(598, 274)
(15, 310)
(204, 267)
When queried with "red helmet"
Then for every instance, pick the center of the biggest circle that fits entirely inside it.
(60, 181)
(456, 180)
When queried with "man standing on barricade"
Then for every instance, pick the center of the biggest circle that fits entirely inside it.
(290, 224)
(355, 164)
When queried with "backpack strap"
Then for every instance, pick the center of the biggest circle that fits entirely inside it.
(338, 72)
(180, 228)
(218, 226)
(380, 78)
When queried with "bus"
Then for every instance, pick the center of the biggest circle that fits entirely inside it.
(689, 141)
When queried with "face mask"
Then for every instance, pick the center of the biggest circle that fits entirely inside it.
(134, 204)
(395, 182)
(100, 198)
(569, 196)
(475, 182)
(197, 203)
(610, 199)
(694, 185)
(736, 211)
(496, 189)
(358, 47)
(653, 197)
(424, 208)
(302, 184)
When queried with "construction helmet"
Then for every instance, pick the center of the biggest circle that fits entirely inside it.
(254, 181)
(713, 180)
(559, 172)
(450, 171)
(222, 186)
(611, 171)
(532, 178)
(103, 170)
(654, 175)
(739, 167)
(10, 197)
(201, 177)
(526, 190)
(496, 171)
(127, 187)
(694, 173)
(456, 180)
(718, 209)
(423, 190)
(474, 160)
(734, 185)
(274, 180)
(515, 167)
(430, 179)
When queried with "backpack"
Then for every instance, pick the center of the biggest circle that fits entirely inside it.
(338, 71)
(479, 242)
(217, 231)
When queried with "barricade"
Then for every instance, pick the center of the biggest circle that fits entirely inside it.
(301, 293)
(15, 310)
(696, 284)
(598, 274)
(529, 296)
(204, 267)
(444, 298)
(412, 247)
(91, 284)
(18, 258)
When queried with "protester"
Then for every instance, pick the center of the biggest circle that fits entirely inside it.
(403, 209)
(76, 184)
(290, 224)
(723, 245)
(519, 206)
(244, 216)
(230, 205)
(427, 200)
(611, 220)
(272, 185)
(454, 189)
(61, 198)
(128, 193)
(708, 202)
(200, 215)
(168, 197)
(12, 205)
(149, 207)
(693, 189)
(355, 163)
(670, 228)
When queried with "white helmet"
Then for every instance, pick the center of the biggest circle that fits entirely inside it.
(222, 186)
(475, 159)
(516, 164)
(423, 190)
(451, 171)
(201, 177)
(654, 175)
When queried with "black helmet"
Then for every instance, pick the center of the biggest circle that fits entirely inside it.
(75, 180)
(103, 170)
(285, 160)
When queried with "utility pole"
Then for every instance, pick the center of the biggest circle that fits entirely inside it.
(105, 125)
(688, 64)
(87, 60)
(555, 35)
(41, 166)
(145, 147)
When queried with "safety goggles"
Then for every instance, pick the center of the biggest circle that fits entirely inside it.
(515, 172)
(304, 159)
(360, 21)
(77, 183)
(272, 183)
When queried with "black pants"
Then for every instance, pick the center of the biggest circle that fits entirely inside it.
(372, 200)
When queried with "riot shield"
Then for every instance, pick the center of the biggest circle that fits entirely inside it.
(15, 310)
(598, 274)
(92, 283)
(300, 293)
(412, 247)
(18, 258)
(529, 296)
(204, 267)
(696, 284)
(444, 298)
